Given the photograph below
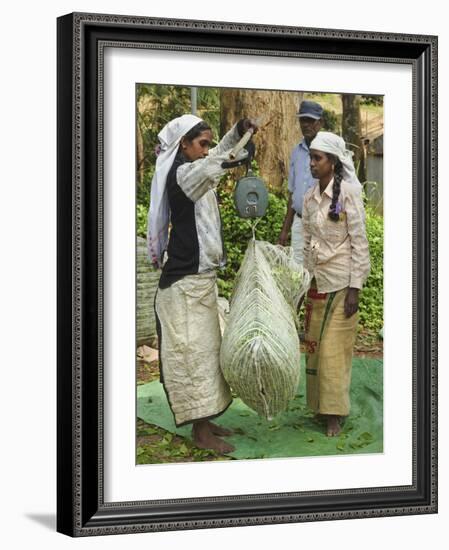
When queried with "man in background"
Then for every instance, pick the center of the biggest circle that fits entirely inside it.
(300, 179)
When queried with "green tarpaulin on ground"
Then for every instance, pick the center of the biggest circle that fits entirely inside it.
(295, 432)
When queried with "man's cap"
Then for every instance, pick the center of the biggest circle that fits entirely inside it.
(310, 109)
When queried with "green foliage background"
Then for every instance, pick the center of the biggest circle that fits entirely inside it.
(237, 232)
(372, 295)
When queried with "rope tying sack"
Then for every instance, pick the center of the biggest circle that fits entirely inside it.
(260, 355)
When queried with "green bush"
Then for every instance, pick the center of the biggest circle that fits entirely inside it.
(331, 122)
(144, 189)
(371, 297)
(372, 100)
(237, 232)
(141, 220)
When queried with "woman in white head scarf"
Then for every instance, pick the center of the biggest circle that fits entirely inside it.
(327, 142)
(158, 214)
(337, 256)
(185, 240)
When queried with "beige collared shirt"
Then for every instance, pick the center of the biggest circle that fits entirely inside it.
(335, 253)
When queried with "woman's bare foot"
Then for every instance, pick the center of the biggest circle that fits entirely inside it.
(204, 438)
(219, 430)
(333, 425)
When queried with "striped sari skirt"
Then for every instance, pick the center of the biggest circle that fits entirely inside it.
(329, 343)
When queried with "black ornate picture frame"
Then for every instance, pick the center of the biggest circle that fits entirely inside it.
(81, 509)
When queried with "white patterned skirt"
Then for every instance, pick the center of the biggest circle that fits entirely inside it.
(189, 348)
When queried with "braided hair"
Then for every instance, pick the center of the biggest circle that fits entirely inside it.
(334, 208)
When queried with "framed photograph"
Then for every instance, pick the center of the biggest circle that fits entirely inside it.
(128, 458)
(262, 427)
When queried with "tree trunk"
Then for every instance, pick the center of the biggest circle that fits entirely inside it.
(352, 132)
(140, 153)
(274, 143)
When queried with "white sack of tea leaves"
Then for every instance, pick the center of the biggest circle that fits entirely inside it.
(260, 354)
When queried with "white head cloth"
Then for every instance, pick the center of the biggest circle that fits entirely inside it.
(327, 142)
(159, 212)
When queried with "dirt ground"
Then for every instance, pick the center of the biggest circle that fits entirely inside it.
(156, 445)
(368, 344)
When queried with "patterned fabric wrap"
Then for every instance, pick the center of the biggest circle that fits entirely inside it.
(190, 341)
(329, 342)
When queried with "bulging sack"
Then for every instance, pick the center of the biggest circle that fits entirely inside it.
(260, 355)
